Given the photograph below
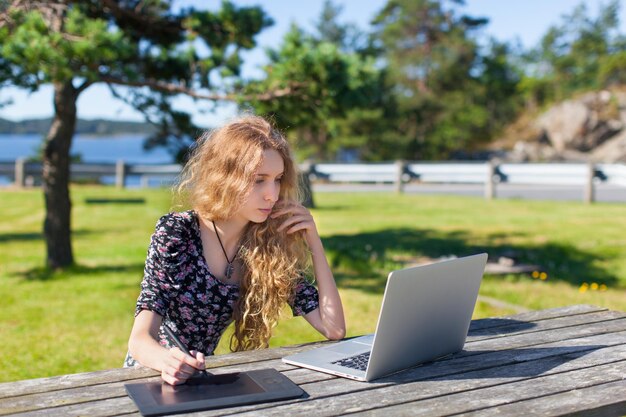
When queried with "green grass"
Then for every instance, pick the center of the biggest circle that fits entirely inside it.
(79, 319)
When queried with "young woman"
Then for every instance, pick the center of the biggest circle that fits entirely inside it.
(238, 255)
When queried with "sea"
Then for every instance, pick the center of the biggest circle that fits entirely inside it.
(91, 149)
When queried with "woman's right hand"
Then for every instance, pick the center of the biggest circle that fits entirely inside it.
(178, 367)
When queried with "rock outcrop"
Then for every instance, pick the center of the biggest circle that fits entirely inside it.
(591, 127)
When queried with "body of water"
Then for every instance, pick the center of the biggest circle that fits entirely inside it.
(108, 149)
(91, 149)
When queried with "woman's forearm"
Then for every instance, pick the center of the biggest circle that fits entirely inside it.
(143, 345)
(147, 351)
(331, 309)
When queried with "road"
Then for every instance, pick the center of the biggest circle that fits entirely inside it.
(605, 193)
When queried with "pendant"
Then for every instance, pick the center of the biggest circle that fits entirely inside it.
(229, 270)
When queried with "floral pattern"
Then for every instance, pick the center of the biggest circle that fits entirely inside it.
(179, 286)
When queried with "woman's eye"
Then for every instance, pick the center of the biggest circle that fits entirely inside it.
(279, 179)
(259, 181)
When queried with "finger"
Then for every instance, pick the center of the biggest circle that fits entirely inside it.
(298, 227)
(294, 220)
(181, 370)
(192, 363)
(182, 357)
(174, 375)
(169, 379)
(286, 223)
(182, 363)
(199, 356)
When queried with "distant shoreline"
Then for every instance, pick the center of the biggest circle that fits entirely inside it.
(92, 127)
(83, 136)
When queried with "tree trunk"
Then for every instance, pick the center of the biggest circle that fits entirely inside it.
(56, 175)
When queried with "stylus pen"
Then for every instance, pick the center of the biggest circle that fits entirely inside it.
(180, 345)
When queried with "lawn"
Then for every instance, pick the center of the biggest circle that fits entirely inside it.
(79, 320)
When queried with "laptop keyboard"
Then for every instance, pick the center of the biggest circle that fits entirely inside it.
(355, 362)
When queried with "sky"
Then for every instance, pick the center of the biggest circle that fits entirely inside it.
(521, 21)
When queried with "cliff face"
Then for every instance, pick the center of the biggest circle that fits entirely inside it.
(591, 127)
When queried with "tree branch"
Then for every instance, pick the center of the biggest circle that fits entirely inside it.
(83, 86)
(117, 95)
(47, 9)
(179, 89)
(142, 19)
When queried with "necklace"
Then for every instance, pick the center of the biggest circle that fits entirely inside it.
(228, 272)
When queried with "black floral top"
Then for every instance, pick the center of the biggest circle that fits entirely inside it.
(179, 286)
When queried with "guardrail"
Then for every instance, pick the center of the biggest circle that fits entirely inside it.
(399, 173)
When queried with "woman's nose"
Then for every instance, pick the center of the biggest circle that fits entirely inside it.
(271, 193)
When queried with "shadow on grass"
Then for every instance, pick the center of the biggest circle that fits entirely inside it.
(47, 274)
(20, 237)
(363, 260)
(33, 236)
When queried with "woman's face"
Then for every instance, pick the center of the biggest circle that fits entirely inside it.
(265, 189)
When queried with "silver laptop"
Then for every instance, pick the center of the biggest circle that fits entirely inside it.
(425, 315)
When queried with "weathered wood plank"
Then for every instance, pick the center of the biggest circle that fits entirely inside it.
(30, 386)
(459, 363)
(104, 408)
(558, 407)
(87, 396)
(547, 336)
(536, 315)
(84, 394)
(270, 358)
(523, 327)
(483, 399)
(307, 376)
(469, 383)
(114, 402)
(595, 401)
(450, 371)
(38, 385)
(10, 389)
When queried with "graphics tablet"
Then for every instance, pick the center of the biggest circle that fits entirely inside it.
(217, 391)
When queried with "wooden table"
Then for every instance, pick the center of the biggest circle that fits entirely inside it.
(568, 360)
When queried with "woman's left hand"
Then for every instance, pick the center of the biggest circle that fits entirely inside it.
(300, 218)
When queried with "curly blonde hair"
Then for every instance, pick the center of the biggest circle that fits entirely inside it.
(215, 183)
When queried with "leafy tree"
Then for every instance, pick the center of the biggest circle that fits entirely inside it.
(328, 27)
(581, 53)
(361, 131)
(433, 66)
(348, 37)
(499, 78)
(325, 82)
(340, 88)
(152, 50)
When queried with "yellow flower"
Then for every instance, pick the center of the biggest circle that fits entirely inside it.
(603, 287)
(543, 276)
(583, 288)
(535, 274)
(594, 286)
